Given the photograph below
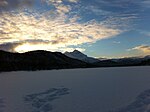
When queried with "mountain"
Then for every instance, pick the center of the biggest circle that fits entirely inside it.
(101, 59)
(106, 63)
(131, 60)
(45, 60)
(80, 56)
(38, 60)
(147, 57)
(146, 62)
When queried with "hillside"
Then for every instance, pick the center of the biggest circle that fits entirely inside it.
(46, 60)
(37, 60)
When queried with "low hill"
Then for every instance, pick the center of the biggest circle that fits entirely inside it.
(38, 60)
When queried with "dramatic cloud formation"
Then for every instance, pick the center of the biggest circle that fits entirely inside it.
(23, 31)
(55, 33)
(142, 48)
(63, 25)
(9, 46)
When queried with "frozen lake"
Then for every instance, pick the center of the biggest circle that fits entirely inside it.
(76, 90)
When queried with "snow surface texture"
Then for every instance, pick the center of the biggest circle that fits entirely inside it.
(41, 102)
(141, 104)
(2, 104)
(76, 90)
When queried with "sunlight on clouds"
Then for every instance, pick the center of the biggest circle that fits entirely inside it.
(66, 25)
(61, 9)
(51, 31)
(142, 48)
(30, 47)
(75, 1)
(58, 32)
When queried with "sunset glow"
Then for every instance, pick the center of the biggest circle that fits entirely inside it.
(61, 25)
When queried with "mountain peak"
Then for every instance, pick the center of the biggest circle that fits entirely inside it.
(76, 51)
(80, 56)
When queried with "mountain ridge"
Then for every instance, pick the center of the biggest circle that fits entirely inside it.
(38, 60)
(46, 60)
(80, 56)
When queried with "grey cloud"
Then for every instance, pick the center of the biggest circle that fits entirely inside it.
(9, 46)
(14, 4)
(148, 47)
(3, 3)
(60, 40)
(123, 4)
(36, 41)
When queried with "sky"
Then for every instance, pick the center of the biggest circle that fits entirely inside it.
(98, 28)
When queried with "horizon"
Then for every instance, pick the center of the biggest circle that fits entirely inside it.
(80, 52)
(98, 28)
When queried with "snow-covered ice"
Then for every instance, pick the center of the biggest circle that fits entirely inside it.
(76, 90)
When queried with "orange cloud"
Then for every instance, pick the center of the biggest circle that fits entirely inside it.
(142, 48)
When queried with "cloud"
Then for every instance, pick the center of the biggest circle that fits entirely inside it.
(56, 29)
(6, 5)
(12, 46)
(145, 4)
(9, 46)
(97, 10)
(3, 3)
(74, 1)
(57, 32)
(142, 48)
(115, 15)
(60, 1)
(24, 46)
(62, 9)
(118, 4)
(116, 42)
(146, 33)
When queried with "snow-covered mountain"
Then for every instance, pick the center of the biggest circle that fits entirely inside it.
(80, 56)
(147, 57)
(131, 60)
